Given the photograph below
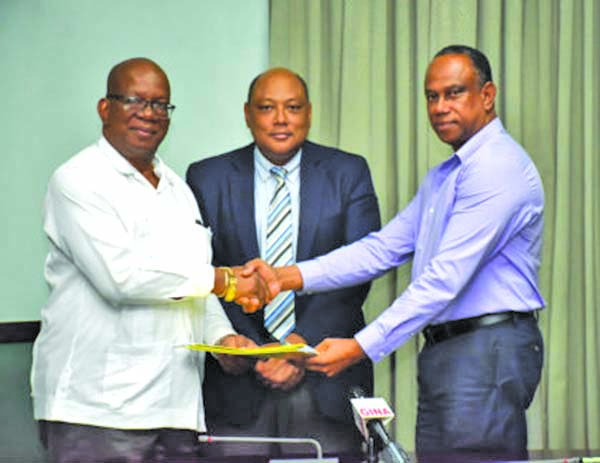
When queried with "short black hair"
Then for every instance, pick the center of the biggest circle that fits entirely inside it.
(253, 84)
(479, 60)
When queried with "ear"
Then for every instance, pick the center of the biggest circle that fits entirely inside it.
(247, 114)
(103, 108)
(488, 93)
(309, 114)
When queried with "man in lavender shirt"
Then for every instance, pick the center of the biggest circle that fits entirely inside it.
(474, 232)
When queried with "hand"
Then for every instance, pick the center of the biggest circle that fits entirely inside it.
(335, 355)
(297, 359)
(279, 373)
(276, 279)
(266, 272)
(235, 364)
(252, 290)
(259, 269)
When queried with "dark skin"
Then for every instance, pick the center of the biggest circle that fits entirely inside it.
(458, 106)
(278, 115)
(136, 135)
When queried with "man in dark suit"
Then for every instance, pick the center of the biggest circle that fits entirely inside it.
(331, 203)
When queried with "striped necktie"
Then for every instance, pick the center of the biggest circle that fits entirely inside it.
(279, 313)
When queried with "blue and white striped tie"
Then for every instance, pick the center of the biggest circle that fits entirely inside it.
(279, 314)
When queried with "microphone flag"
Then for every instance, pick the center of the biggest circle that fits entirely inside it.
(366, 409)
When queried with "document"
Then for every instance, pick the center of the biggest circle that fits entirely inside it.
(281, 351)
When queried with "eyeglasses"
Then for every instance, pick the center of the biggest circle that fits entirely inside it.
(137, 105)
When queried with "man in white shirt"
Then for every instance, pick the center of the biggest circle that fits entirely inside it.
(130, 277)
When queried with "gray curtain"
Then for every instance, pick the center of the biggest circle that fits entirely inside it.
(364, 62)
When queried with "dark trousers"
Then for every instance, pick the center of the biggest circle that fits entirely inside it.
(77, 443)
(473, 392)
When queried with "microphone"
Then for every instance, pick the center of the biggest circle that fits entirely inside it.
(368, 414)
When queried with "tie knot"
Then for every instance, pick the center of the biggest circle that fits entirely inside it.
(279, 172)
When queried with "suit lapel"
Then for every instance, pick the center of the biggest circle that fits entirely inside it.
(311, 182)
(242, 202)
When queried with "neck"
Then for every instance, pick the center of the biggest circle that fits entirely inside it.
(147, 170)
(145, 166)
(142, 161)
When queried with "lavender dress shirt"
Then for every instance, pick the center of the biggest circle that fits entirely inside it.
(474, 231)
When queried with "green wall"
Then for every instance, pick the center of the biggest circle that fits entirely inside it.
(54, 58)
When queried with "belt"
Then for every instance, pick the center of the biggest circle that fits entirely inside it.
(438, 333)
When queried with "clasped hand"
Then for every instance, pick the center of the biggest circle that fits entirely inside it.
(335, 355)
(257, 285)
(282, 373)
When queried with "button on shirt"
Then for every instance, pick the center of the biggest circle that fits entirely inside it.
(120, 251)
(474, 230)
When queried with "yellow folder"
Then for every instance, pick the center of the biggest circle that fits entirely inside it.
(283, 350)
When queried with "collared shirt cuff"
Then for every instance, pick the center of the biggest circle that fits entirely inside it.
(309, 271)
(372, 342)
(201, 282)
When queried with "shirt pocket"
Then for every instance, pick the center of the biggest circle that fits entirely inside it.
(137, 378)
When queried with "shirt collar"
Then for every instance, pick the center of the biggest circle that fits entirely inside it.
(262, 165)
(474, 143)
(123, 166)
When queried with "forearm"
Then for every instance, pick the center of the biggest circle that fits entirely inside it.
(289, 278)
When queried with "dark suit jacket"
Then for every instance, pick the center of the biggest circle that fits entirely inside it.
(337, 206)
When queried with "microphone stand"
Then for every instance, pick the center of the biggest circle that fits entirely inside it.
(389, 451)
(393, 453)
(371, 452)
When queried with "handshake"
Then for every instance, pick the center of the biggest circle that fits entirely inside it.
(256, 283)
